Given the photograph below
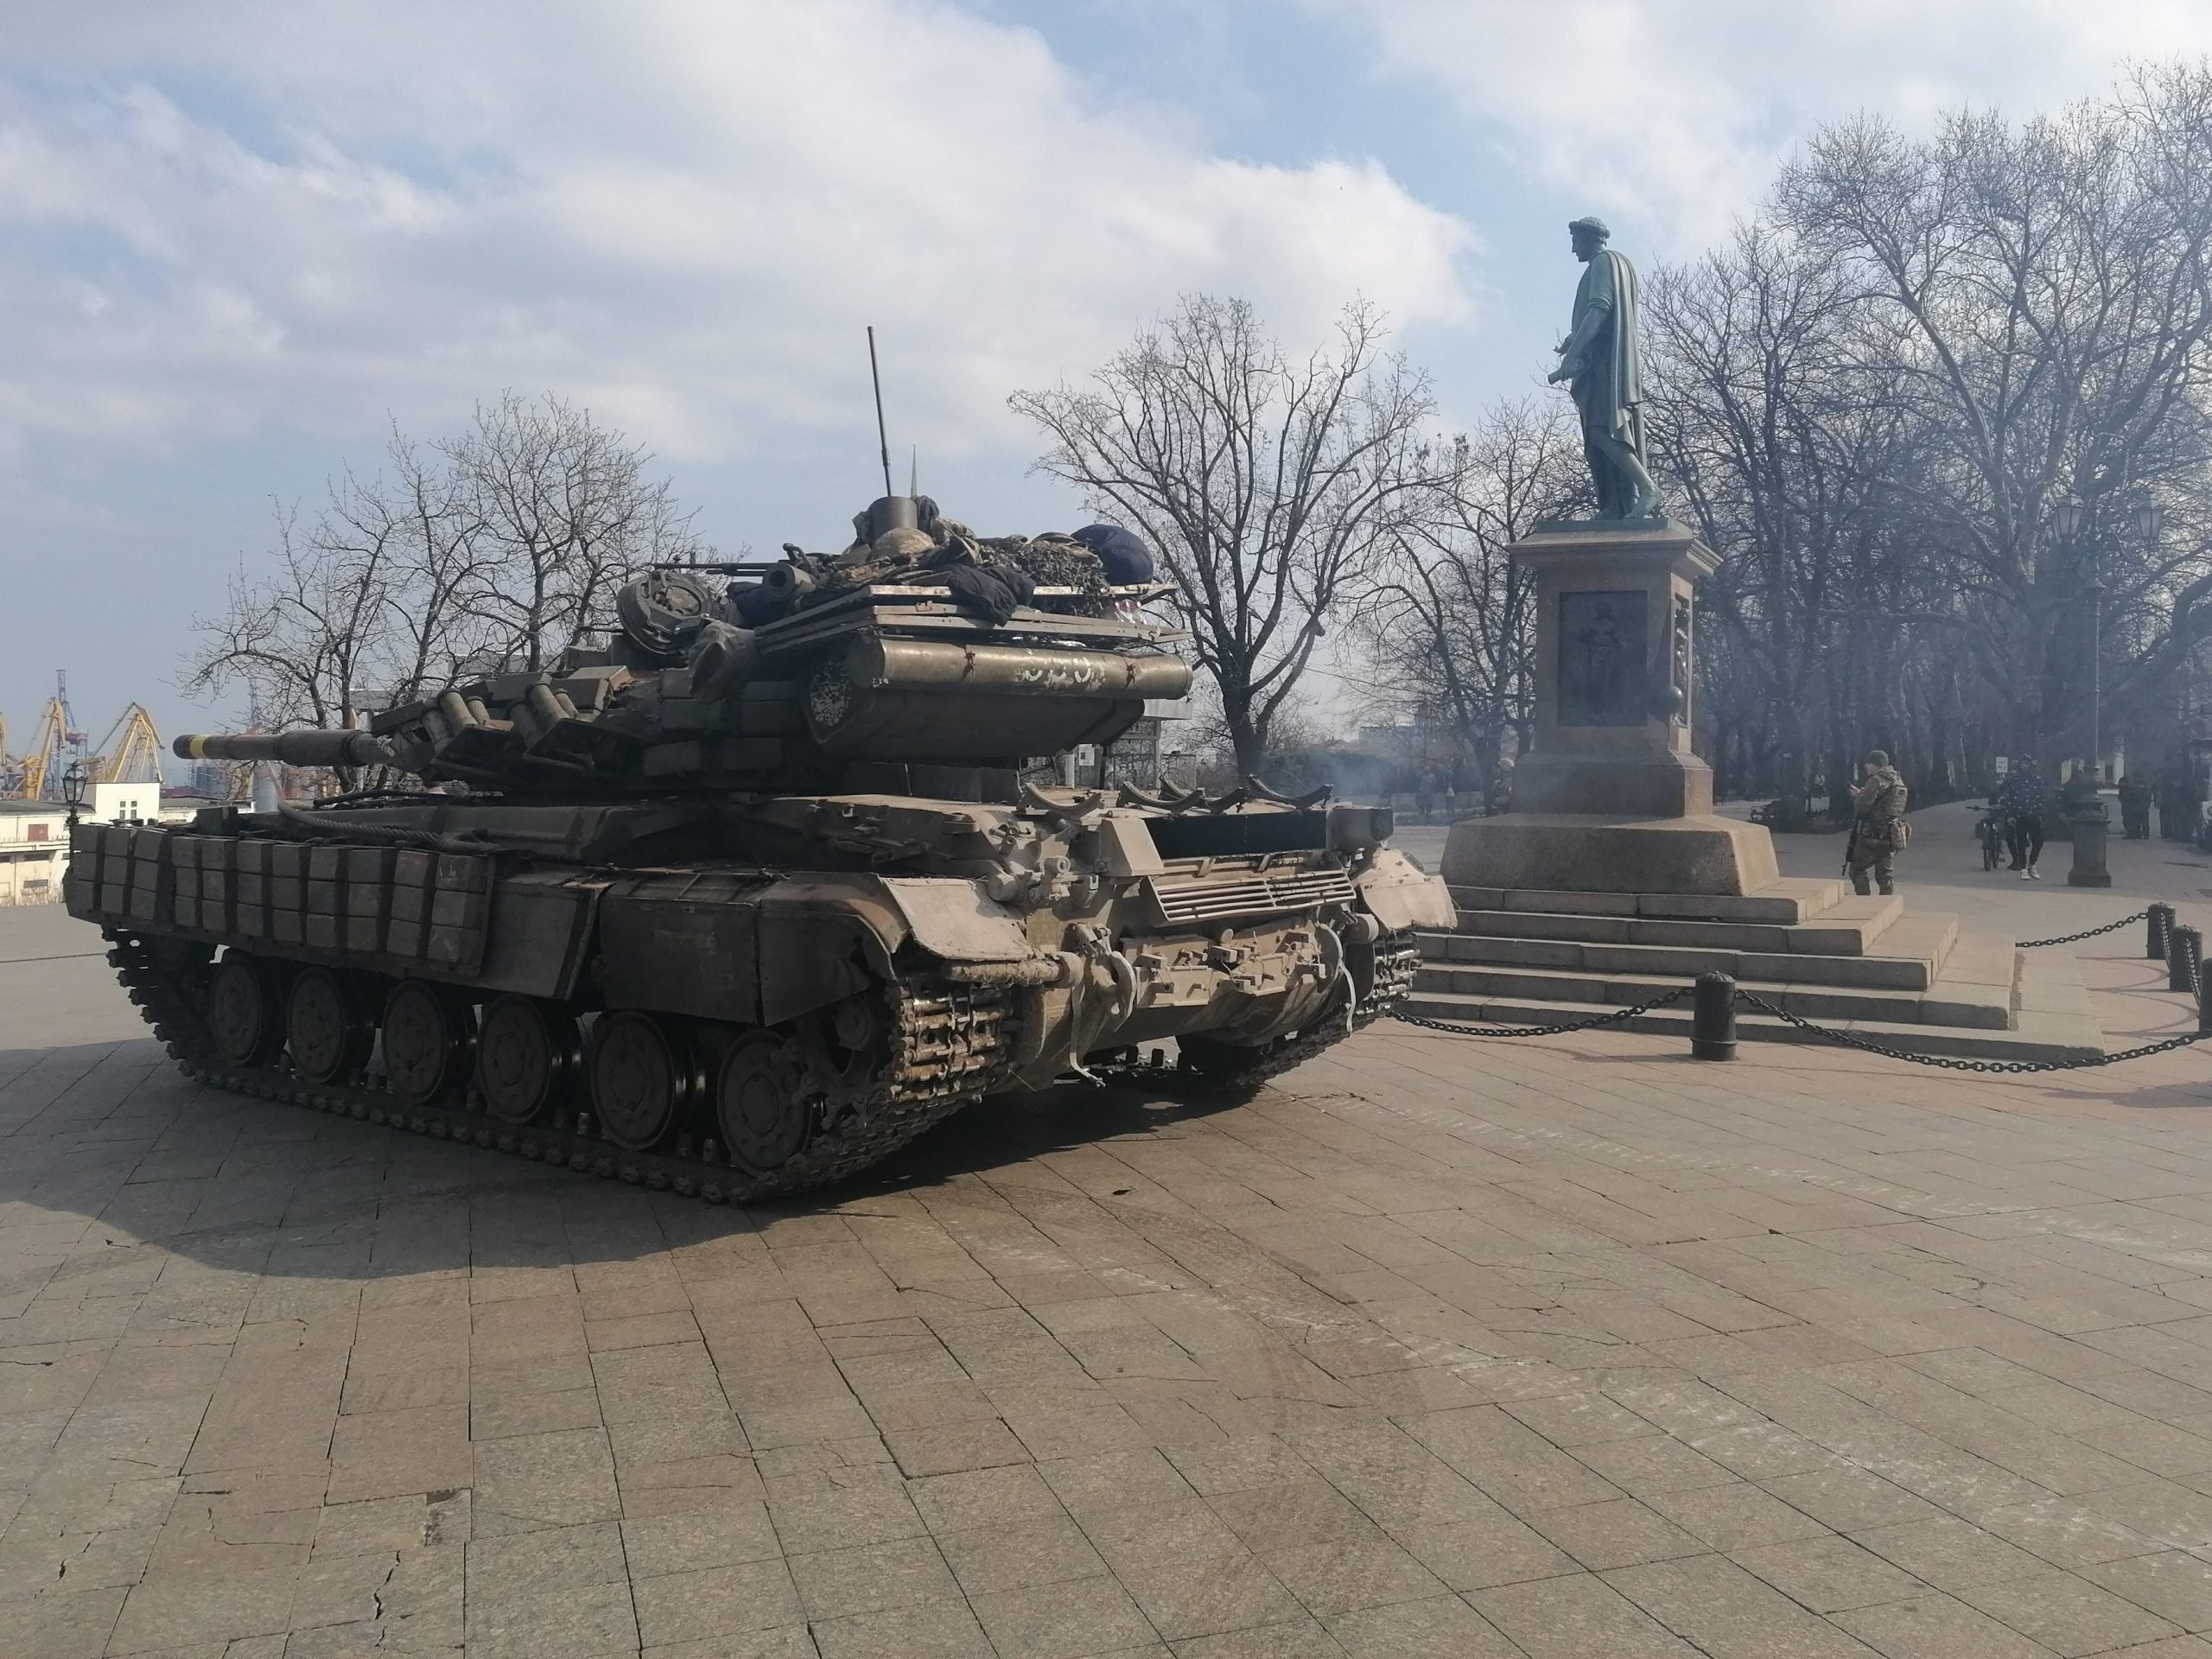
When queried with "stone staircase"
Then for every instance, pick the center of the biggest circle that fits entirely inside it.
(1809, 946)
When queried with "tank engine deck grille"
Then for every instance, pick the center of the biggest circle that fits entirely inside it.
(1202, 899)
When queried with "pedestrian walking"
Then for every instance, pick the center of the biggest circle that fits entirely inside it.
(1880, 833)
(2026, 798)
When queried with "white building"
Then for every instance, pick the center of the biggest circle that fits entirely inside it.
(35, 834)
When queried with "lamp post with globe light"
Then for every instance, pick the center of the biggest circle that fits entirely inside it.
(2150, 518)
(2068, 520)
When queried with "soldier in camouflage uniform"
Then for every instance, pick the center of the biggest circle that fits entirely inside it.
(1880, 833)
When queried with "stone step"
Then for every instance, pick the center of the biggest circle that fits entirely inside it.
(1792, 900)
(1983, 1007)
(1846, 928)
(1908, 958)
(2050, 982)
(2044, 1038)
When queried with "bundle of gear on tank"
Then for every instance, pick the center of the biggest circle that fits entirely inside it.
(703, 684)
(992, 576)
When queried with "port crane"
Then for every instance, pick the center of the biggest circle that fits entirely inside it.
(131, 752)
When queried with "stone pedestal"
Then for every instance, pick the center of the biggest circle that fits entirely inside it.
(2091, 826)
(1609, 798)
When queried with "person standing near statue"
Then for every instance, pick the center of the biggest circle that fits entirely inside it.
(1880, 833)
(1601, 360)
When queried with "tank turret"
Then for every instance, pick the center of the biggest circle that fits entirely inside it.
(751, 889)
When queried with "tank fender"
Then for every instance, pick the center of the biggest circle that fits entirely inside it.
(822, 939)
(1399, 894)
(955, 919)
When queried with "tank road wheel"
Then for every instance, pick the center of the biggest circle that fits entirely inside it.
(429, 1037)
(245, 1012)
(644, 1072)
(529, 1058)
(762, 1104)
(847, 1048)
(326, 1026)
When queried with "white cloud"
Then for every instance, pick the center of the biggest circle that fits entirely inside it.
(1676, 111)
(681, 212)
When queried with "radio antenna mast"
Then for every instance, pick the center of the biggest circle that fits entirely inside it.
(883, 442)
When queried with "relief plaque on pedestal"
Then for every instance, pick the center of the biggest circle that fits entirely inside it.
(1601, 658)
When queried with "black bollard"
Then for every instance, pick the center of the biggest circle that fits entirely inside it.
(2203, 1007)
(1713, 1017)
(2161, 924)
(2184, 959)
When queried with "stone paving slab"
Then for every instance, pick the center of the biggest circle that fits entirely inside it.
(1569, 1348)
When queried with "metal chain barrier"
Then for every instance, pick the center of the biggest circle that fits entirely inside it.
(1617, 1017)
(1753, 1000)
(1945, 1062)
(2088, 933)
(1714, 1036)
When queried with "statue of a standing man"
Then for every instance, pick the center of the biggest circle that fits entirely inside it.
(1601, 361)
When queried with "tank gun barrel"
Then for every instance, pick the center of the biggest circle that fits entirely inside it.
(305, 747)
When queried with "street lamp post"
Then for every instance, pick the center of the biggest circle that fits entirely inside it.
(2067, 519)
(2096, 676)
(2149, 516)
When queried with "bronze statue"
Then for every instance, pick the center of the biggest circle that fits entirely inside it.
(1600, 359)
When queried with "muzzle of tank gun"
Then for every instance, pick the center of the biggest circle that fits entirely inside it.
(298, 748)
(787, 579)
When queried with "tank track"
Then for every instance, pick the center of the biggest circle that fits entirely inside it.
(949, 1045)
(1397, 959)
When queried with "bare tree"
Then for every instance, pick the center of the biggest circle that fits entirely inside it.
(1271, 485)
(1789, 451)
(565, 514)
(490, 550)
(2038, 298)
(300, 639)
(1446, 623)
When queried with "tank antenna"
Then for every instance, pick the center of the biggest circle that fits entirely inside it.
(882, 441)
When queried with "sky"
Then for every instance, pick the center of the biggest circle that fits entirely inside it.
(240, 242)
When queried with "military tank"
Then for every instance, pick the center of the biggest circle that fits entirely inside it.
(757, 890)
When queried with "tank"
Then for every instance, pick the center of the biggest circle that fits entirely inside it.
(763, 886)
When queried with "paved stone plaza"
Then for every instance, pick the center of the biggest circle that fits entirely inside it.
(1570, 1348)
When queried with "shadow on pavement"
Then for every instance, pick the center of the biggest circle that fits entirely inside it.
(111, 1133)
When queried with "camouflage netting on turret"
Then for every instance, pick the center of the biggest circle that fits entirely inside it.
(1055, 561)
